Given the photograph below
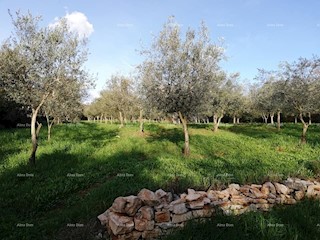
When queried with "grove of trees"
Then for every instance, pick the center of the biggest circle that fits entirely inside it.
(180, 79)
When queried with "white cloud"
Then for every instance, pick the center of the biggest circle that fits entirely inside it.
(78, 22)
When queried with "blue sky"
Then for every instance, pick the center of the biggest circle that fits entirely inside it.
(257, 33)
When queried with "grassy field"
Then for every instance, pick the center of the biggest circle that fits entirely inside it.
(86, 166)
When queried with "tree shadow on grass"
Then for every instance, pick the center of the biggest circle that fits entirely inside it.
(67, 188)
(160, 133)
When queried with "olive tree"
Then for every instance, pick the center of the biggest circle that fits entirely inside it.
(302, 79)
(178, 73)
(36, 61)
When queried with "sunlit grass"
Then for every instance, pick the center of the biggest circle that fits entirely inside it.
(87, 165)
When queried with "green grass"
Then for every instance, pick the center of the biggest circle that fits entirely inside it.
(80, 171)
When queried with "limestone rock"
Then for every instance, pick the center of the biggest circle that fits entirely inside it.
(104, 218)
(141, 224)
(165, 225)
(282, 189)
(119, 205)
(313, 191)
(196, 204)
(160, 193)
(179, 208)
(260, 201)
(154, 234)
(257, 193)
(193, 196)
(258, 186)
(203, 213)
(235, 186)
(212, 195)
(148, 197)
(241, 200)
(146, 212)
(224, 194)
(271, 187)
(163, 216)
(298, 195)
(178, 218)
(133, 203)
(120, 224)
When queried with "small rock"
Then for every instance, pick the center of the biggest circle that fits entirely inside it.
(143, 224)
(298, 195)
(282, 189)
(224, 194)
(146, 212)
(148, 197)
(258, 186)
(120, 224)
(196, 204)
(178, 218)
(203, 213)
(260, 201)
(163, 216)
(257, 193)
(133, 203)
(235, 186)
(313, 191)
(165, 225)
(179, 208)
(271, 187)
(104, 219)
(119, 205)
(212, 195)
(160, 193)
(193, 196)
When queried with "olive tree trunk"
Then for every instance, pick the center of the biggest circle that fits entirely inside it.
(278, 120)
(216, 122)
(309, 115)
(121, 119)
(271, 118)
(304, 130)
(141, 121)
(186, 149)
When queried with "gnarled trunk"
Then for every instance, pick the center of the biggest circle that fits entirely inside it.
(186, 149)
(49, 124)
(216, 122)
(234, 120)
(238, 120)
(295, 120)
(304, 130)
(34, 136)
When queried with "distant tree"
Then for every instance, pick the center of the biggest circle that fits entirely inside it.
(119, 96)
(222, 98)
(302, 79)
(36, 61)
(64, 104)
(177, 74)
(271, 95)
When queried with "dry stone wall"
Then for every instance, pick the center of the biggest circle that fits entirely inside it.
(150, 215)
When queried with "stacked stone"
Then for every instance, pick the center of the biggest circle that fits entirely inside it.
(152, 214)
